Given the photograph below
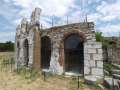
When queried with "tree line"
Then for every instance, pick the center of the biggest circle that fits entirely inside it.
(7, 46)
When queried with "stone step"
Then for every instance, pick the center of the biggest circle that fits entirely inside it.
(115, 71)
(116, 76)
(109, 83)
(117, 65)
(106, 72)
(90, 80)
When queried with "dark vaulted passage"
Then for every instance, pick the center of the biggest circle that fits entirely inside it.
(73, 50)
(46, 52)
(26, 52)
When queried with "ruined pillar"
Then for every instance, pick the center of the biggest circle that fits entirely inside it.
(37, 50)
(35, 17)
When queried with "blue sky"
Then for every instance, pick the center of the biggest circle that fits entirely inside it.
(105, 14)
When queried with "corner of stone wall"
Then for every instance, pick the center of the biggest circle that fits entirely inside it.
(93, 59)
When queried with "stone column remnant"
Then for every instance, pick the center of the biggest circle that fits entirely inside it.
(35, 16)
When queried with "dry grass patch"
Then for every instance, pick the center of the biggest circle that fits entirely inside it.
(6, 55)
(13, 81)
(22, 80)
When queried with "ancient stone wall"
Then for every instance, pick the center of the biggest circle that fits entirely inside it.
(112, 55)
(93, 59)
(27, 31)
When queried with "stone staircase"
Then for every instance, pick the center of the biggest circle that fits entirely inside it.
(114, 81)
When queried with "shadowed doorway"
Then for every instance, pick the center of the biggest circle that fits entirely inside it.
(26, 52)
(45, 52)
(73, 51)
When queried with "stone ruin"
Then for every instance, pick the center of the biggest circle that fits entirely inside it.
(59, 49)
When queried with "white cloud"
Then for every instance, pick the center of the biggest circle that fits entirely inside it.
(110, 29)
(49, 7)
(110, 11)
(60, 8)
(94, 17)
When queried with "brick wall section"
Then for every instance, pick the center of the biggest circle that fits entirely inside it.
(37, 51)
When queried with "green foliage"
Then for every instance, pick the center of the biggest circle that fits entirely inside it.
(7, 46)
(109, 67)
(105, 44)
(99, 36)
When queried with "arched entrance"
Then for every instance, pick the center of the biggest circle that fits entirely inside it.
(45, 52)
(73, 53)
(26, 52)
(18, 49)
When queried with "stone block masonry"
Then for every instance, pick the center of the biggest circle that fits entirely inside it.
(71, 48)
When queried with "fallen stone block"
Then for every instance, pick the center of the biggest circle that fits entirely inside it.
(111, 83)
(116, 76)
(116, 71)
(106, 72)
(90, 80)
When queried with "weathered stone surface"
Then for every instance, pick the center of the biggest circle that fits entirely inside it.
(91, 51)
(100, 51)
(116, 76)
(87, 57)
(35, 16)
(99, 64)
(116, 71)
(97, 57)
(90, 80)
(106, 73)
(109, 83)
(97, 71)
(92, 54)
(113, 53)
(86, 70)
(92, 63)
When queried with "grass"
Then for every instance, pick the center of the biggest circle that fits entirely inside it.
(73, 83)
(26, 79)
(31, 74)
(6, 55)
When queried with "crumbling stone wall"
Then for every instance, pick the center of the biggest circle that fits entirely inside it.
(112, 54)
(27, 31)
(93, 59)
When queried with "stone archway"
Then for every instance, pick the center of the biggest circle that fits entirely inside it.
(26, 52)
(18, 49)
(45, 52)
(80, 37)
(73, 54)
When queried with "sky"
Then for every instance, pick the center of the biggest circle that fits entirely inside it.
(104, 13)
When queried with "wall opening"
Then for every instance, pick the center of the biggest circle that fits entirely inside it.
(45, 52)
(18, 49)
(26, 52)
(73, 52)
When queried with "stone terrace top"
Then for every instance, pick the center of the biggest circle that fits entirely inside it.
(88, 25)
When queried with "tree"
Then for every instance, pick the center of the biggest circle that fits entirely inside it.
(7, 46)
